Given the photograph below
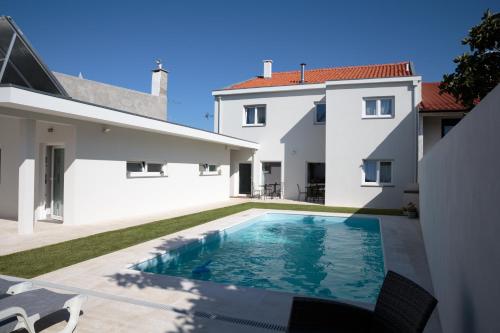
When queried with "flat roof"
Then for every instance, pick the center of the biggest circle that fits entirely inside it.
(22, 98)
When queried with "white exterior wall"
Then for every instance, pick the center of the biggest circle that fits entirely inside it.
(9, 167)
(459, 194)
(432, 132)
(350, 139)
(96, 187)
(289, 136)
(106, 193)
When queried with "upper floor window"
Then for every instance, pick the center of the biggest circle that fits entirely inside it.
(255, 115)
(320, 115)
(378, 107)
(377, 172)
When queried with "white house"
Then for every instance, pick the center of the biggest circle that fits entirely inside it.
(81, 151)
(355, 129)
(64, 157)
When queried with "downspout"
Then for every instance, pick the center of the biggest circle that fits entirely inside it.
(417, 127)
(219, 99)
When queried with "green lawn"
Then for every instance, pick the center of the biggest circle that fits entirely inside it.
(45, 259)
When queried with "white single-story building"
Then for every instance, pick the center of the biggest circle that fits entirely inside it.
(66, 159)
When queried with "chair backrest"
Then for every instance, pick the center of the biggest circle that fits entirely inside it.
(402, 306)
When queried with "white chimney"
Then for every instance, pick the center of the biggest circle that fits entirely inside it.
(268, 69)
(159, 85)
(159, 81)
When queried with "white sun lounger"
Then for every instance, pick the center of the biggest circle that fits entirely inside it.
(24, 309)
(8, 287)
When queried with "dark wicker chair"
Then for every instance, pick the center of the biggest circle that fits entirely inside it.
(402, 307)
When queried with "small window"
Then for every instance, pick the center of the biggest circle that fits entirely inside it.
(377, 172)
(447, 125)
(146, 169)
(135, 166)
(255, 116)
(320, 116)
(209, 169)
(382, 107)
(155, 167)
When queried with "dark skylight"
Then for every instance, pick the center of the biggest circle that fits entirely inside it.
(19, 63)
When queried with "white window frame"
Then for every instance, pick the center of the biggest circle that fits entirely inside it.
(255, 123)
(144, 173)
(378, 108)
(377, 183)
(205, 169)
(316, 122)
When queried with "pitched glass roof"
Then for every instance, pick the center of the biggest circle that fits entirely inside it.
(19, 63)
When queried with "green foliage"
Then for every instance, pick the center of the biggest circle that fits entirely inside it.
(477, 71)
(45, 259)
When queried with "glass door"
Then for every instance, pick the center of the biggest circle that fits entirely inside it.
(57, 182)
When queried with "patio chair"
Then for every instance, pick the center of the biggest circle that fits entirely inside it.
(24, 309)
(257, 194)
(8, 287)
(300, 193)
(402, 307)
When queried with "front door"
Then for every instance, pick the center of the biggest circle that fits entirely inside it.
(245, 178)
(57, 182)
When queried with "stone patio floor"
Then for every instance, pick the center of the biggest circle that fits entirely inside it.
(125, 300)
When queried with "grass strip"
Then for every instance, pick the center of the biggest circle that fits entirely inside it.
(34, 262)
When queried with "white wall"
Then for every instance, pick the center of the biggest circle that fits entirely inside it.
(350, 139)
(9, 167)
(104, 192)
(290, 135)
(96, 187)
(432, 132)
(459, 194)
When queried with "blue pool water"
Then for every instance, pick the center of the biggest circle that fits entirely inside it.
(324, 256)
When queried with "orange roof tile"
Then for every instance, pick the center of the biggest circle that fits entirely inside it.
(328, 74)
(433, 101)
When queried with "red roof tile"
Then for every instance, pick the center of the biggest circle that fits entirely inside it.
(328, 74)
(433, 101)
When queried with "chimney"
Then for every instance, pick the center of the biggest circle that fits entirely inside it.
(159, 80)
(159, 84)
(302, 72)
(268, 69)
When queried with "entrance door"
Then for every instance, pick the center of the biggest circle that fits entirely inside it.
(245, 178)
(57, 182)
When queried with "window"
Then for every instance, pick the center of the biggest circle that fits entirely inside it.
(155, 167)
(447, 125)
(145, 169)
(209, 169)
(255, 116)
(377, 172)
(135, 166)
(320, 116)
(382, 107)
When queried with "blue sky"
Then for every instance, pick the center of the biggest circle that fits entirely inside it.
(210, 44)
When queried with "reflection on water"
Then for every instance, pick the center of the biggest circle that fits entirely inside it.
(312, 255)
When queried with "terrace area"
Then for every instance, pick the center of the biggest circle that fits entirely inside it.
(129, 300)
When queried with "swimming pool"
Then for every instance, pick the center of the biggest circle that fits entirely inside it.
(323, 256)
